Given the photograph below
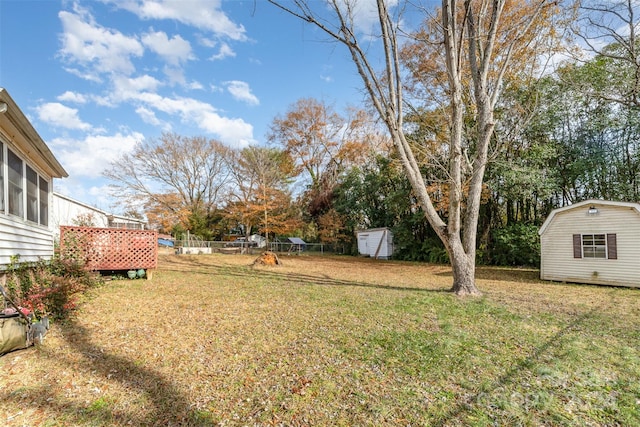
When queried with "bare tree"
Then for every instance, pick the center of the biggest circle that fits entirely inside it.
(469, 33)
(609, 31)
(179, 176)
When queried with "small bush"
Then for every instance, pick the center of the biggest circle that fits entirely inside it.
(48, 287)
(516, 245)
(429, 250)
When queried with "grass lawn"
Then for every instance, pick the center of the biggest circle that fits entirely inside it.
(331, 341)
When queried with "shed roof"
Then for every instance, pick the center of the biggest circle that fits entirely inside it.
(373, 230)
(594, 202)
(26, 138)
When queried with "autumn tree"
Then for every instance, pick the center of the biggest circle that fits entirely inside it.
(180, 180)
(477, 40)
(322, 144)
(259, 196)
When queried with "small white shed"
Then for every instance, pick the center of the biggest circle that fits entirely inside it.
(595, 242)
(375, 242)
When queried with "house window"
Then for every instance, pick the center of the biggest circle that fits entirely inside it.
(16, 203)
(44, 202)
(32, 195)
(603, 246)
(26, 192)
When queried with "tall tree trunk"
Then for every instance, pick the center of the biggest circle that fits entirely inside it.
(463, 267)
(468, 42)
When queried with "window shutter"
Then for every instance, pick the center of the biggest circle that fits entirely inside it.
(612, 246)
(577, 246)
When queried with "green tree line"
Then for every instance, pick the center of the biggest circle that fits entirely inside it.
(558, 138)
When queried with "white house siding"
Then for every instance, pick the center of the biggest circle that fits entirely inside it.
(19, 238)
(558, 263)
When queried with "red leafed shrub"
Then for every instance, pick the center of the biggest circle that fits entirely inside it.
(48, 287)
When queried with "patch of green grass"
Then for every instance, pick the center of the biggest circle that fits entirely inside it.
(323, 341)
(99, 406)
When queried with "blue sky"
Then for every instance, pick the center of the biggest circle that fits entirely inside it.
(95, 77)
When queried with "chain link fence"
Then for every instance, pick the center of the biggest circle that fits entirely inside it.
(209, 247)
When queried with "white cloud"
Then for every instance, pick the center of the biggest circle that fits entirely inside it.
(61, 116)
(231, 131)
(102, 198)
(195, 85)
(125, 88)
(242, 92)
(365, 14)
(175, 75)
(175, 50)
(79, 189)
(225, 51)
(75, 97)
(90, 156)
(202, 14)
(234, 132)
(97, 49)
(148, 116)
(206, 41)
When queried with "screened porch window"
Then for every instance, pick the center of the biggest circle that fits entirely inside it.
(44, 202)
(32, 195)
(23, 192)
(16, 203)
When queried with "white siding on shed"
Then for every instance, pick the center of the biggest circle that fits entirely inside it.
(375, 242)
(557, 246)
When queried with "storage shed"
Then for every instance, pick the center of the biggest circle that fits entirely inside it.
(595, 242)
(375, 242)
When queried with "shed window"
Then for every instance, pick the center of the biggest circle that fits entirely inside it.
(595, 246)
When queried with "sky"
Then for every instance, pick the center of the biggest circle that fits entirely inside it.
(96, 77)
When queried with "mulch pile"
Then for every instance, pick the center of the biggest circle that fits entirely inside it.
(267, 258)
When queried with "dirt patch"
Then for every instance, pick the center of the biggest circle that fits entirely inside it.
(267, 258)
